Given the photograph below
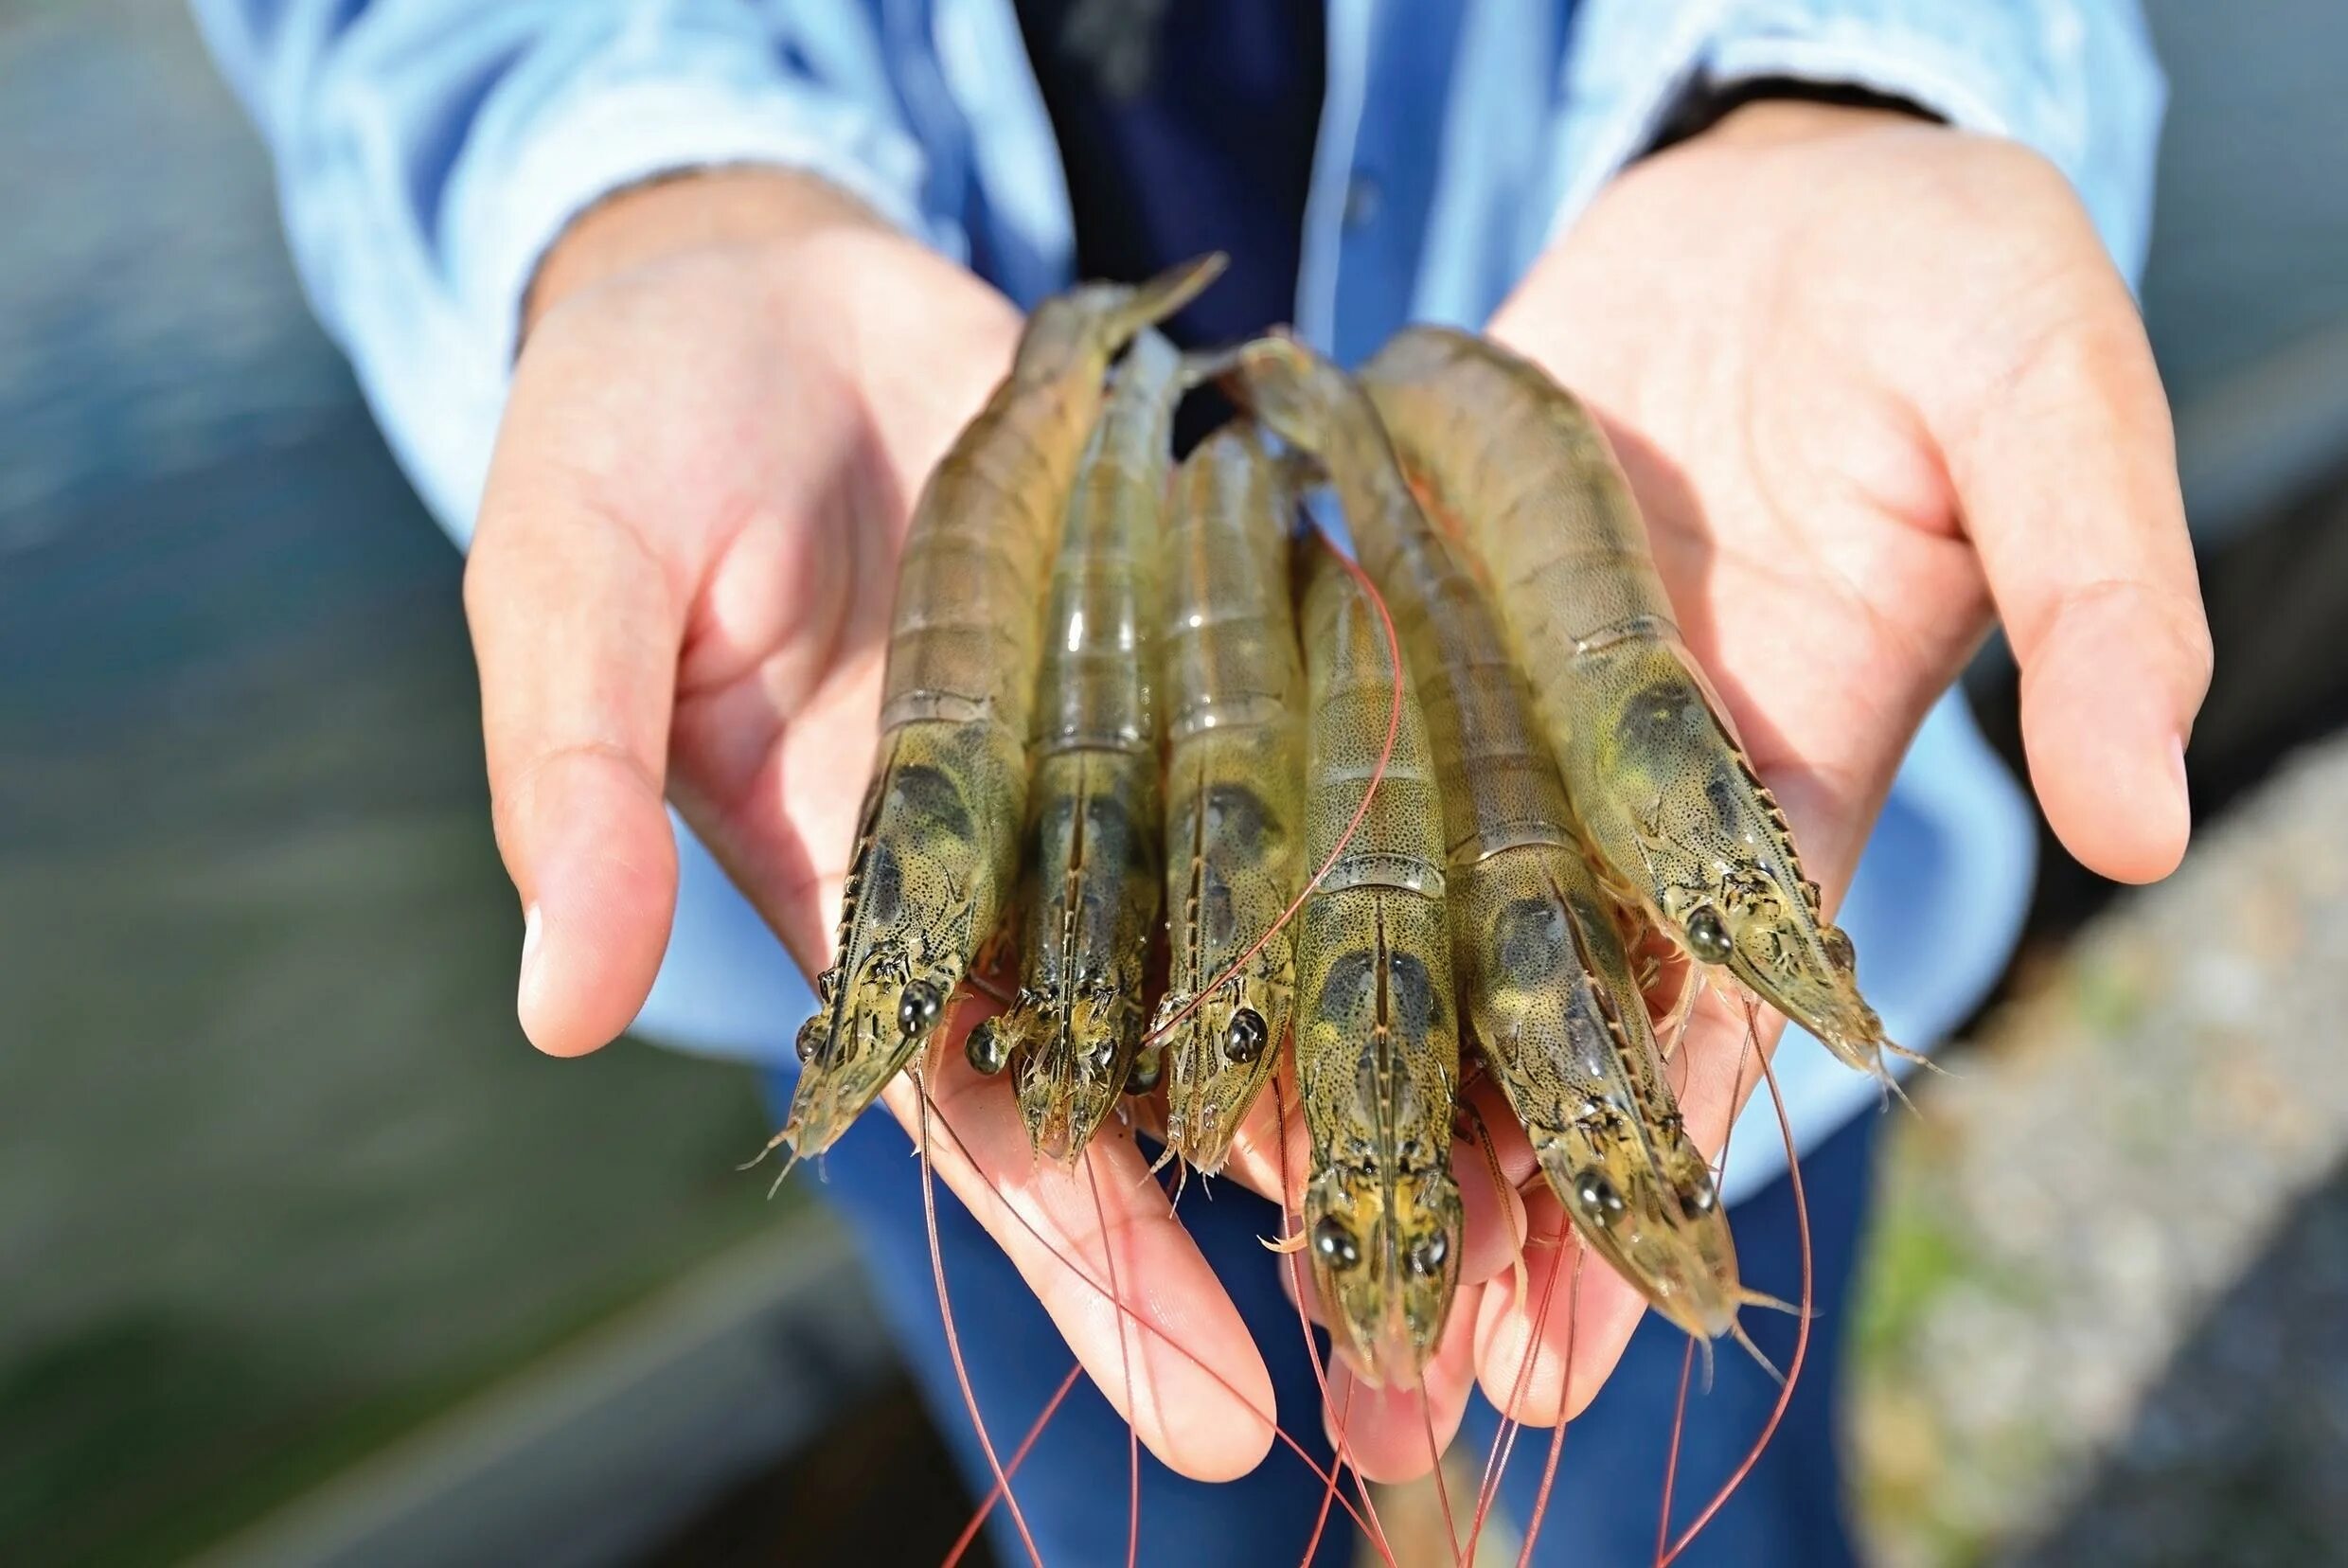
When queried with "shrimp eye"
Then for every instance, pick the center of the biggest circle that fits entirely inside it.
(809, 1039)
(1838, 951)
(1598, 1197)
(1244, 1036)
(1335, 1243)
(1425, 1259)
(987, 1049)
(1700, 1195)
(918, 1009)
(1144, 1075)
(1707, 937)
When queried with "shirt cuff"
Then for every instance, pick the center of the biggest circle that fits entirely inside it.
(2076, 83)
(620, 134)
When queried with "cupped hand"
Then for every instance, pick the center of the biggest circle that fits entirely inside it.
(730, 390)
(1871, 380)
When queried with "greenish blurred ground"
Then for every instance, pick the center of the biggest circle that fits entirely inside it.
(278, 1174)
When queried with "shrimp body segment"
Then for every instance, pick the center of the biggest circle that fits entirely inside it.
(1072, 1035)
(937, 841)
(1549, 992)
(1377, 1032)
(1662, 788)
(1234, 696)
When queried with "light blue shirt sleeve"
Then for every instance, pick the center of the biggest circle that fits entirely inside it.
(2074, 81)
(428, 152)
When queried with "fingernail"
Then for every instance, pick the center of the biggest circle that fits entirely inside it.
(532, 927)
(2177, 775)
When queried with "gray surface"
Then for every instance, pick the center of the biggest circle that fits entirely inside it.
(598, 1453)
(279, 1177)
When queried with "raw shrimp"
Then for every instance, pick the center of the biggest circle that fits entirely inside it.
(936, 844)
(1073, 1033)
(1652, 765)
(1547, 988)
(1376, 1034)
(1234, 696)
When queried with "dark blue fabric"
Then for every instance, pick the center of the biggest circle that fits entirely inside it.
(1072, 1488)
(1213, 151)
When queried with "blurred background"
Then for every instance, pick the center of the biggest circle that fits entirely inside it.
(307, 1257)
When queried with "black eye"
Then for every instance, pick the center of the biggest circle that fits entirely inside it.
(1598, 1197)
(1335, 1243)
(1144, 1075)
(918, 1009)
(1707, 937)
(808, 1038)
(1244, 1037)
(986, 1050)
(1700, 1195)
(1838, 951)
(1427, 1257)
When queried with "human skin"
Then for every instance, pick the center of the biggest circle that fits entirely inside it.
(1896, 386)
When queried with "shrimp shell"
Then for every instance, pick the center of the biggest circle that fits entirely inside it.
(1662, 788)
(1234, 693)
(937, 842)
(1376, 1031)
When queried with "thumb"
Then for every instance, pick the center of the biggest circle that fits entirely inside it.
(576, 631)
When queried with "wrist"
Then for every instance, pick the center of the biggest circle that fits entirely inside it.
(645, 224)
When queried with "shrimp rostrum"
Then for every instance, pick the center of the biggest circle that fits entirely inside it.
(1073, 1035)
(1548, 990)
(1657, 777)
(936, 846)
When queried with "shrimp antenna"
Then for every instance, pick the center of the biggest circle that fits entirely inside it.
(935, 1113)
(1737, 1331)
(953, 1339)
(1802, 1332)
(1125, 1358)
(1019, 1457)
(1556, 1438)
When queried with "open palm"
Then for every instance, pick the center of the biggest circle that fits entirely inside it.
(1871, 379)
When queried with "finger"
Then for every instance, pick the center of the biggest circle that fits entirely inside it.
(575, 629)
(2065, 471)
(1492, 1225)
(1181, 1368)
(1399, 1434)
(1270, 1153)
(1547, 1341)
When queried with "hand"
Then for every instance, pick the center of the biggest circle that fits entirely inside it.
(1871, 376)
(732, 390)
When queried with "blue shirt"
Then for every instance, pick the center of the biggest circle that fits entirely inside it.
(430, 150)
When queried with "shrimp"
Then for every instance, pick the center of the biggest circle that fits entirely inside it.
(1234, 781)
(1377, 1035)
(1662, 788)
(1073, 1035)
(936, 844)
(1547, 988)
